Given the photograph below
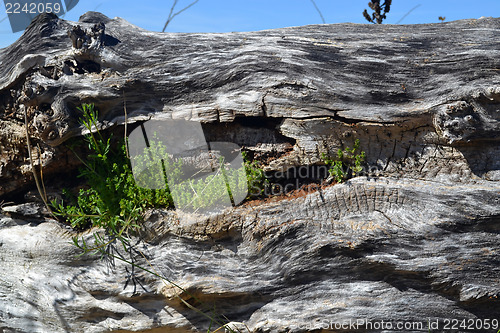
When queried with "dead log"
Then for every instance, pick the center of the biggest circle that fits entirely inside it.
(416, 238)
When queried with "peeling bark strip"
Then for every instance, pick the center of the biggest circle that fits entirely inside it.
(415, 239)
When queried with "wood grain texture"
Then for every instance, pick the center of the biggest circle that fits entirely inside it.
(441, 75)
(416, 238)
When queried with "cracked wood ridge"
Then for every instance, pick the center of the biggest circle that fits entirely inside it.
(416, 237)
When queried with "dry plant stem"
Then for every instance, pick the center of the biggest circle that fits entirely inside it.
(229, 328)
(171, 15)
(43, 183)
(126, 119)
(155, 272)
(319, 11)
(35, 176)
(112, 240)
(408, 13)
(82, 161)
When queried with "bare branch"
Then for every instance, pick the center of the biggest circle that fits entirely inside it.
(319, 11)
(171, 15)
(405, 15)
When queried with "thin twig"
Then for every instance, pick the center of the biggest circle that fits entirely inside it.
(163, 278)
(83, 162)
(319, 11)
(35, 176)
(126, 120)
(118, 236)
(171, 15)
(405, 15)
(42, 182)
(203, 190)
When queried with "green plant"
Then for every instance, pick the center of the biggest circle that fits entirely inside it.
(111, 199)
(203, 189)
(196, 187)
(256, 177)
(348, 163)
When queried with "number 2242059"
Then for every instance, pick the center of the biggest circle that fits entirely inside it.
(32, 8)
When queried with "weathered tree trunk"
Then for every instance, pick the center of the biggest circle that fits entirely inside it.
(415, 239)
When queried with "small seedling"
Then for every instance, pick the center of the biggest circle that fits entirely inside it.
(256, 177)
(347, 164)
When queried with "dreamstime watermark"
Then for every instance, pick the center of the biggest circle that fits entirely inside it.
(22, 12)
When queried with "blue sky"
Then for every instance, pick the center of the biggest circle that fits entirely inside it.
(248, 15)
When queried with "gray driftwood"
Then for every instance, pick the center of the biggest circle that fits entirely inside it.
(415, 239)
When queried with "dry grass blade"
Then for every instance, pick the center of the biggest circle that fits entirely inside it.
(126, 120)
(42, 192)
